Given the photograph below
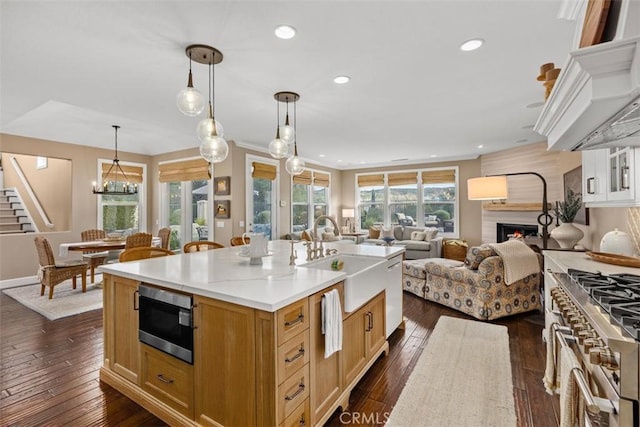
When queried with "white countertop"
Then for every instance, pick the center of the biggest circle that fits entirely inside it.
(224, 275)
(564, 260)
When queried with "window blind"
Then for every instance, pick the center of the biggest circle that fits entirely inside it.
(186, 170)
(370, 180)
(134, 173)
(403, 178)
(321, 179)
(439, 177)
(263, 171)
(304, 178)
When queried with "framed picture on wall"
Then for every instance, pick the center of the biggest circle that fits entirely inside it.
(573, 181)
(222, 186)
(222, 209)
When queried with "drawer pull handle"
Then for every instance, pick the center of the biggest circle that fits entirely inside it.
(293, 396)
(163, 379)
(293, 322)
(298, 355)
(590, 182)
(302, 421)
(136, 306)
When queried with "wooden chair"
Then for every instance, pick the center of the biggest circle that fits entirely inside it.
(94, 257)
(237, 241)
(134, 254)
(138, 240)
(52, 273)
(203, 245)
(165, 237)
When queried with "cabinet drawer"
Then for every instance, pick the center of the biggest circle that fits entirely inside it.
(299, 417)
(293, 355)
(168, 379)
(292, 320)
(293, 392)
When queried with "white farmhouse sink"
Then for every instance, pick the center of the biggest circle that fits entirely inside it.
(365, 277)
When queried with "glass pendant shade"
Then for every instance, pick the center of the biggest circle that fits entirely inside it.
(294, 165)
(287, 132)
(206, 127)
(214, 149)
(278, 148)
(190, 101)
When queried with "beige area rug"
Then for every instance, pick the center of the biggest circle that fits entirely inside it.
(462, 379)
(66, 300)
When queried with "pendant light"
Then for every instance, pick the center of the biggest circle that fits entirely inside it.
(190, 101)
(115, 187)
(287, 132)
(213, 147)
(294, 164)
(278, 147)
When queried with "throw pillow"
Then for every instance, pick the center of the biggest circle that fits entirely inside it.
(329, 237)
(374, 232)
(418, 235)
(476, 255)
(386, 233)
(431, 233)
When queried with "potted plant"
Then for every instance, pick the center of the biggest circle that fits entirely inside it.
(567, 234)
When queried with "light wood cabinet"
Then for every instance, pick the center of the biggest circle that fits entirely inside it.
(167, 378)
(122, 348)
(364, 331)
(224, 363)
(326, 373)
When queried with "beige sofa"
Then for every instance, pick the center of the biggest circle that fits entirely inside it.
(475, 286)
(428, 247)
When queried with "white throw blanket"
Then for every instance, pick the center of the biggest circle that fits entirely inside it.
(519, 260)
(331, 322)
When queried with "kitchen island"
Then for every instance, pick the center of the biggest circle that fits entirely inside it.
(258, 350)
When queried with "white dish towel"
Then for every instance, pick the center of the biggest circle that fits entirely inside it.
(331, 322)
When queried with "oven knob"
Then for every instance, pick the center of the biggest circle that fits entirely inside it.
(577, 327)
(585, 334)
(589, 343)
(576, 318)
(603, 357)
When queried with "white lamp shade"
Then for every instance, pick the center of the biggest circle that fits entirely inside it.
(348, 213)
(487, 188)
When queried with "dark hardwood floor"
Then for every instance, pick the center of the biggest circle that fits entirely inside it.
(49, 371)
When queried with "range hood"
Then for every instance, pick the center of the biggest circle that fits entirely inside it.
(595, 102)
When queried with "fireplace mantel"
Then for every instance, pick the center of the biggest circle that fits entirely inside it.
(513, 206)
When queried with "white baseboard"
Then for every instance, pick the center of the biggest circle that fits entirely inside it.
(20, 281)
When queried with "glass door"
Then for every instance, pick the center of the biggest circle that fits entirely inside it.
(187, 211)
(175, 215)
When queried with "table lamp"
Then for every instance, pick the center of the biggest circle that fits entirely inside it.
(346, 214)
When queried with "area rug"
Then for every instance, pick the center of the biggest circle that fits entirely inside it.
(463, 378)
(66, 300)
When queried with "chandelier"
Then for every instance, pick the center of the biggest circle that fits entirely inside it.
(116, 187)
(285, 134)
(213, 147)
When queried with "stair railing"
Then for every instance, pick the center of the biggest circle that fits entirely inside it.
(32, 195)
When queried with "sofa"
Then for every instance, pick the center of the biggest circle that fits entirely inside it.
(326, 234)
(476, 286)
(419, 242)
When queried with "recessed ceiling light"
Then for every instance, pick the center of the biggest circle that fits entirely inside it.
(321, 155)
(433, 155)
(480, 146)
(472, 44)
(535, 105)
(339, 161)
(362, 163)
(285, 32)
(340, 80)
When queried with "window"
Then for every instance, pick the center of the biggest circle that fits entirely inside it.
(422, 198)
(262, 183)
(309, 199)
(123, 213)
(185, 195)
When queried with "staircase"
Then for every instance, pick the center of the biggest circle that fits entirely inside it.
(13, 217)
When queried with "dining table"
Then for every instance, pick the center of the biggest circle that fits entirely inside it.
(98, 245)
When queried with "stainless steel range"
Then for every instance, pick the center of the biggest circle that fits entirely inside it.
(598, 317)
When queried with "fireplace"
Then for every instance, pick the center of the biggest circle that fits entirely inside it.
(504, 231)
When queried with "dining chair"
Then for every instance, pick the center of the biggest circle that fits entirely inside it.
(203, 245)
(52, 273)
(237, 241)
(165, 237)
(138, 240)
(143, 252)
(94, 257)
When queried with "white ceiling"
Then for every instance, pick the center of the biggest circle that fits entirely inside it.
(69, 70)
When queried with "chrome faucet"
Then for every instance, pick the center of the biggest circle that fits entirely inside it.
(318, 249)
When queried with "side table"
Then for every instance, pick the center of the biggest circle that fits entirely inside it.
(359, 235)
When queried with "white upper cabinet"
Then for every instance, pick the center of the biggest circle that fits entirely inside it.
(609, 177)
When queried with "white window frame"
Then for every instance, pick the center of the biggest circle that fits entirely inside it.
(310, 202)
(275, 194)
(142, 206)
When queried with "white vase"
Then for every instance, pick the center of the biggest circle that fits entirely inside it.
(567, 235)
